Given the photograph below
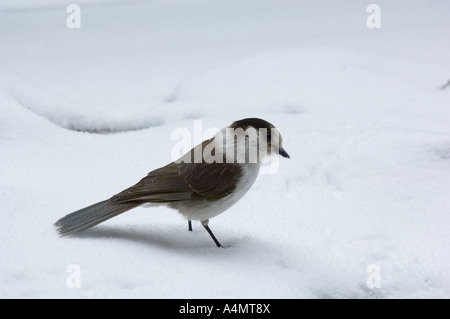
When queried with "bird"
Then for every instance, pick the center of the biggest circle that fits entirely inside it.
(201, 184)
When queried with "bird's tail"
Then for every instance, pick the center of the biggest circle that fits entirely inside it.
(90, 216)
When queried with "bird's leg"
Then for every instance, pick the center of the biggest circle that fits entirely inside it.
(212, 236)
(205, 224)
(190, 225)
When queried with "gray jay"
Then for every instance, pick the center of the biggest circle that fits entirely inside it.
(200, 185)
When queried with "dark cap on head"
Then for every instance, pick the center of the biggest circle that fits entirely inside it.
(258, 123)
(253, 121)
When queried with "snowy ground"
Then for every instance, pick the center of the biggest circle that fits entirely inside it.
(361, 110)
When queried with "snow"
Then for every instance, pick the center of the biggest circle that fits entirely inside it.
(362, 114)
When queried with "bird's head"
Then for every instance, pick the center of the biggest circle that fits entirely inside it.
(259, 135)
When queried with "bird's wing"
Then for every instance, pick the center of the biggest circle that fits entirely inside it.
(209, 181)
(212, 181)
(183, 182)
(161, 185)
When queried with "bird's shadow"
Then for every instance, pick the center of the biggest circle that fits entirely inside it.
(172, 238)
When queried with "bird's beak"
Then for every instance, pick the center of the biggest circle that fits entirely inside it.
(283, 153)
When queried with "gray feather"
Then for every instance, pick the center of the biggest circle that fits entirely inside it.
(90, 216)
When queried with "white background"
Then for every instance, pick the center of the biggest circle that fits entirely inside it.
(362, 114)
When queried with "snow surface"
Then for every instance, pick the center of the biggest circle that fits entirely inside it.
(362, 112)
